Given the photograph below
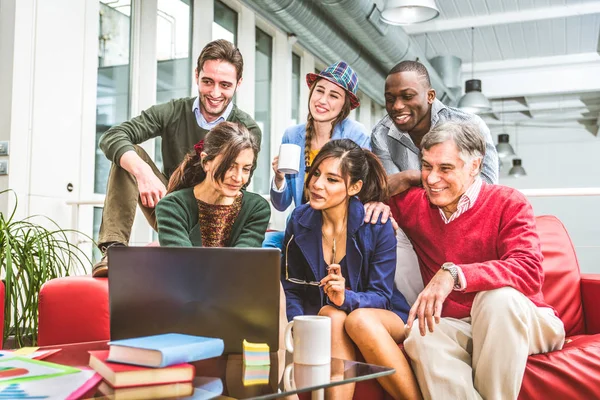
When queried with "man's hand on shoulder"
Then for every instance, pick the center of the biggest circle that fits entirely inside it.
(374, 209)
(428, 306)
(150, 186)
(402, 181)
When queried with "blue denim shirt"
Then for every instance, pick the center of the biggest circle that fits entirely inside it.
(294, 183)
(370, 257)
(397, 151)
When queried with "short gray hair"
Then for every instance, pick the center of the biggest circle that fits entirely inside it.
(466, 136)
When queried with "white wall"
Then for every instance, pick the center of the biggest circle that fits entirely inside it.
(562, 158)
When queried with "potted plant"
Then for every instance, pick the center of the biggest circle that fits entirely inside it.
(32, 253)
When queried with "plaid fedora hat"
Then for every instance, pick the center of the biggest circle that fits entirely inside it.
(342, 75)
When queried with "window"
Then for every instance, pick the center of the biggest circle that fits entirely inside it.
(262, 108)
(173, 44)
(296, 88)
(112, 94)
(226, 22)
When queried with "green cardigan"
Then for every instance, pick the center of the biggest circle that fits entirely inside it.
(177, 219)
(175, 122)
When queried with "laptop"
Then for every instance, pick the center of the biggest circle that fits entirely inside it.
(228, 293)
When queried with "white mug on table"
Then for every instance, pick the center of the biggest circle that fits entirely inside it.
(310, 342)
(289, 158)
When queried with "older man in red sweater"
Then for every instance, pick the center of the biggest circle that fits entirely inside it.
(482, 311)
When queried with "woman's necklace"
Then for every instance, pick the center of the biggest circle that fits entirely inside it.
(332, 241)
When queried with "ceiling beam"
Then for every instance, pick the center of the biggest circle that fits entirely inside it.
(532, 14)
(543, 76)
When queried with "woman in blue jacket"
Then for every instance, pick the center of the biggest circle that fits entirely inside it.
(333, 262)
(332, 96)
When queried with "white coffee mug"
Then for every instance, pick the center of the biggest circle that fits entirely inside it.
(298, 376)
(289, 158)
(311, 343)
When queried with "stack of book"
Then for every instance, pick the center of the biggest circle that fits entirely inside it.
(152, 367)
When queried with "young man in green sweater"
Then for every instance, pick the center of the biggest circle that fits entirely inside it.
(134, 178)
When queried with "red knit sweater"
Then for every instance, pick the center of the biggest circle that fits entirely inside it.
(494, 242)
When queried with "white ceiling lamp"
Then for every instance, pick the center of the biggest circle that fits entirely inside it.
(406, 12)
(504, 149)
(517, 169)
(473, 100)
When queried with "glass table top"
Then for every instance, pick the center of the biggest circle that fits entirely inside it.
(227, 377)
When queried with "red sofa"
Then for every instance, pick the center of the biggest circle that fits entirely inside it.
(75, 309)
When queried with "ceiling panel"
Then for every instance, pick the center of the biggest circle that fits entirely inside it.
(589, 29)
(558, 36)
(464, 8)
(544, 37)
(573, 34)
(448, 9)
(494, 6)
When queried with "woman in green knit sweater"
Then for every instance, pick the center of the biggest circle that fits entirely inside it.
(205, 204)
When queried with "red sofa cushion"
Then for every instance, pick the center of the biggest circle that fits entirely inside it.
(590, 294)
(73, 309)
(1, 314)
(571, 373)
(561, 273)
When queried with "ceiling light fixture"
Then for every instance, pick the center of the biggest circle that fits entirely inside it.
(504, 149)
(406, 12)
(473, 100)
(517, 169)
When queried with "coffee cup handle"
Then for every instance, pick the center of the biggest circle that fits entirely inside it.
(289, 343)
(287, 378)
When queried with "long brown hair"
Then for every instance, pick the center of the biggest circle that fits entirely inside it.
(356, 164)
(227, 139)
(310, 122)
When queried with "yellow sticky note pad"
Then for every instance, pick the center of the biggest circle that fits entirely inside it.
(256, 353)
(25, 351)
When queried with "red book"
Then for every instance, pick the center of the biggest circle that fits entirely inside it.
(124, 375)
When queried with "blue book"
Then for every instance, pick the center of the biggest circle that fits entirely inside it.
(160, 351)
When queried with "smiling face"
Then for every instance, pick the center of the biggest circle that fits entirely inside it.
(446, 176)
(408, 100)
(326, 101)
(217, 83)
(236, 176)
(328, 188)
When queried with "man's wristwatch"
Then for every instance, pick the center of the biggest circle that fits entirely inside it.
(451, 267)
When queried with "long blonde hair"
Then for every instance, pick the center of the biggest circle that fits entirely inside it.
(310, 123)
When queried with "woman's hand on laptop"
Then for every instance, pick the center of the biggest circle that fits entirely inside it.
(334, 285)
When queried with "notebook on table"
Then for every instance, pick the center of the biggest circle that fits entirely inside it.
(227, 293)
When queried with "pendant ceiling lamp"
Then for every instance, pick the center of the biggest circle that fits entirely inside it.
(504, 149)
(517, 169)
(406, 12)
(473, 100)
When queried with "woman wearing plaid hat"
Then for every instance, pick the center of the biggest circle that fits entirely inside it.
(332, 96)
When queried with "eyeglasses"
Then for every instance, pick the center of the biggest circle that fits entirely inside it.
(295, 280)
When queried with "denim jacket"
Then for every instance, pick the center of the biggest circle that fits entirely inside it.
(294, 183)
(370, 257)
